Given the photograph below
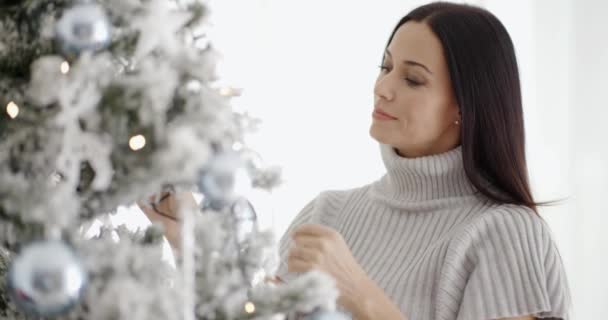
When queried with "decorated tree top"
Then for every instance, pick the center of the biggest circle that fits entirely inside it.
(104, 103)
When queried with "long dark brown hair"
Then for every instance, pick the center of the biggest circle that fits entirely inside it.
(485, 79)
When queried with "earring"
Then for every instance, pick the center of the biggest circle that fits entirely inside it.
(456, 122)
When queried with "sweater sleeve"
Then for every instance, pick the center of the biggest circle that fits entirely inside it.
(323, 209)
(304, 216)
(506, 264)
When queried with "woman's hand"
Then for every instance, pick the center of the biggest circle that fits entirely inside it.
(164, 210)
(322, 248)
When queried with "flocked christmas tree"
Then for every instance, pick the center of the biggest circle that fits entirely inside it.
(105, 103)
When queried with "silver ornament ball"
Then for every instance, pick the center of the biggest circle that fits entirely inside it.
(245, 219)
(224, 179)
(46, 279)
(83, 27)
(327, 315)
(253, 161)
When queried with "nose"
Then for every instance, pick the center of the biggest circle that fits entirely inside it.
(382, 88)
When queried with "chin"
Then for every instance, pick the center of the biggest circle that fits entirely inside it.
(378, 135)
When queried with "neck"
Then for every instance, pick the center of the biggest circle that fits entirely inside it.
(426, 179)
(438, 148)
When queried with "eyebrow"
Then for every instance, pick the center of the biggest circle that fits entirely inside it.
(411, 62)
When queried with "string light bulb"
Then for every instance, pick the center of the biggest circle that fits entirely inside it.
(12, 109)
(225, 91)
(249, 307)
(65, 67)
(237, 146)
(230, 91)
(137, 142)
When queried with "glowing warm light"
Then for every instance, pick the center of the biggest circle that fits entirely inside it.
(230, 91)
(249, 307)
(237, 146)
(137, 142)
(65, 67)
(226, 91)
(193, 85)
(12, 109)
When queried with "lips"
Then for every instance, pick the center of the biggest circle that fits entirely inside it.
(382, 113)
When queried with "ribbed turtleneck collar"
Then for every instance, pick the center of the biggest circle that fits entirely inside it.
(412, 181)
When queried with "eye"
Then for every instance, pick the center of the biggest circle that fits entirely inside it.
(383, 68)
(412, 83)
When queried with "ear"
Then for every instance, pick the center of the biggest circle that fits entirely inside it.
(458, 114)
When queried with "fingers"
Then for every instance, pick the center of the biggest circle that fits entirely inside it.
(299, 266)
(168, 204)
(301, 259)
(157, 198)
(313, 229)
(275, 279)
(301, 252)
(186, 199)
(309, 242)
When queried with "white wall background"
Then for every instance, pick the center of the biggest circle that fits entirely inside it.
(308, 67)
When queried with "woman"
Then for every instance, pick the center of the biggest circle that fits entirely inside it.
(451, 231)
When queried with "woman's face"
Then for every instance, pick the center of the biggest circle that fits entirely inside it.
(414, 88)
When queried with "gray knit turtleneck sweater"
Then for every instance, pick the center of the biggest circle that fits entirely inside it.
(438, 248)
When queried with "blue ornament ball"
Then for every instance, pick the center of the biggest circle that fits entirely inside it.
(327, 315)
(83, 27)
(224, 179)
(46, 279)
